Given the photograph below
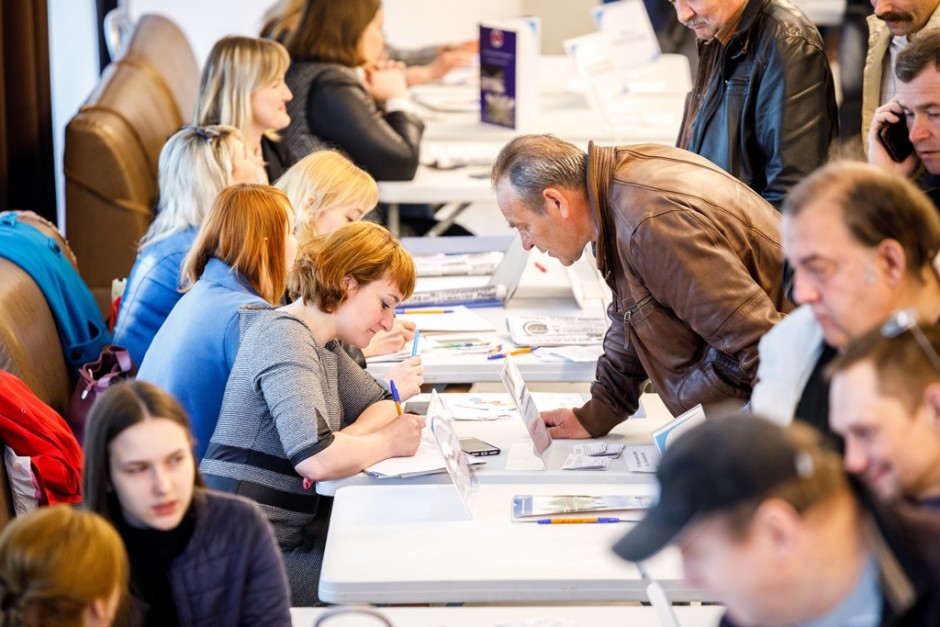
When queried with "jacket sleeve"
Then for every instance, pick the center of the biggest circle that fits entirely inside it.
(693, 271)
(796, 117)
(267, 592)
(615, 393)
(342, 113)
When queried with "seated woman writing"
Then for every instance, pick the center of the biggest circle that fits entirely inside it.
(328, 191)
(297, 408)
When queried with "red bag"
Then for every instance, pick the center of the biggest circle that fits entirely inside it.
(114, 364)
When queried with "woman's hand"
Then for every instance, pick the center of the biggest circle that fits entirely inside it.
(408, 377)
(392, 341)
(403, 434)
(386, 79)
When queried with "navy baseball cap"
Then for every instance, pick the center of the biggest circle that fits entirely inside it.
(713, 467)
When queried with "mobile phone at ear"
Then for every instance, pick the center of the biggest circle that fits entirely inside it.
(894, 137)
(478, 448)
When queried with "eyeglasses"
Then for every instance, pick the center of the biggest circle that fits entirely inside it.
(906, 320)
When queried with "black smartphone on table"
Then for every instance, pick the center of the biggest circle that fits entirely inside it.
(896, 140)
(478, 448)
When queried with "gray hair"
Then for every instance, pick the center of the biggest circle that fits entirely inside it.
(535, 162)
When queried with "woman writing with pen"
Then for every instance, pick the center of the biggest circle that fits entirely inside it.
(297, 409)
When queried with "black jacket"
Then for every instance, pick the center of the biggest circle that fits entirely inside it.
(769, 115)
(331, 108)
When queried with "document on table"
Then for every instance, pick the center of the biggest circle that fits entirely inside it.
(457, 265)
(450, 320)
(556, 330)
(426, 461)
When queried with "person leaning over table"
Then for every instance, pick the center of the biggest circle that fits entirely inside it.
(297, 409)
(691, 254)
(770, 526)
(328, 191)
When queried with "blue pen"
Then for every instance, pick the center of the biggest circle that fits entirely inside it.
(414, 345)
(395, 396)
(575, 521)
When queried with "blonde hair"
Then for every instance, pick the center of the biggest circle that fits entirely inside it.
(235, 69)
(247, 228)
(365, 251)
(322, 181)
(55, 562)
(195, 164)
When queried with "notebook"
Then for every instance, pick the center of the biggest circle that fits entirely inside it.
(498, 290)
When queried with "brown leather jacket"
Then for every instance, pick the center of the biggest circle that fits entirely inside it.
(693, 258)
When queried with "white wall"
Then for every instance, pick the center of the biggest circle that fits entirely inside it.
(408, 23)
(73, 56)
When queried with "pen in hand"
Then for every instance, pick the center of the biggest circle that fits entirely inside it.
(395, 396)
(414, 345)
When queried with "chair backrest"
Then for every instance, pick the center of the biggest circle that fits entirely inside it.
(112, 148)
(30, 347)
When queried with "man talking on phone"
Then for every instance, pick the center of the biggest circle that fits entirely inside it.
(904, 137)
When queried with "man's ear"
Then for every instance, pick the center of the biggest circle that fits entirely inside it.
(555, 200)
(932, 400)
(892, 260)
(778, 523)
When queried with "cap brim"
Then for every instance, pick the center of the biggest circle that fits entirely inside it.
(648, 537)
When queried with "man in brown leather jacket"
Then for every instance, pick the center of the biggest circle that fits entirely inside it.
(692, 255)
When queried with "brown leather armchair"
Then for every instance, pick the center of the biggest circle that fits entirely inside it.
(30, 347)
(112, 147)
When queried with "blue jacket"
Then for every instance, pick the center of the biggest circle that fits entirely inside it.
(152, 290)
(231, 572)
(81, 327)
(192, 354)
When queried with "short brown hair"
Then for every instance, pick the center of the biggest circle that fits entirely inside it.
(55, 562)
(247, 228)
(902, 368)
(330, 30)
(535, 162)
(876, 205)
(364, 251)
(923, 50)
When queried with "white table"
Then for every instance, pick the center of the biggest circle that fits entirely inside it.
(506, 431)
(482, 616)
(539, 293)
(392, 545)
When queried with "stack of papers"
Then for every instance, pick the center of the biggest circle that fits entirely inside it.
(457, 265)
(556, 330)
